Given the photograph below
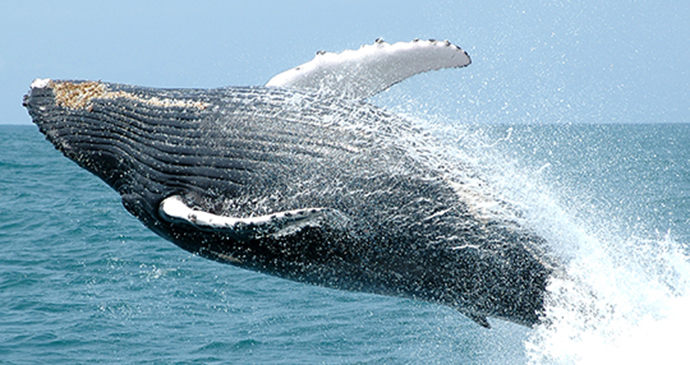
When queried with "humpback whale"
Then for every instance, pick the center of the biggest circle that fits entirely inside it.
(303, 179)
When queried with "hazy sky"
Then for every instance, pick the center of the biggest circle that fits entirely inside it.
(533, 61)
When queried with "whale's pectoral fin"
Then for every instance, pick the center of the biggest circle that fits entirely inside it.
(359, 74)
(175, 210)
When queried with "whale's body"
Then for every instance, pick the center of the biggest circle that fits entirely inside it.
(306, 182)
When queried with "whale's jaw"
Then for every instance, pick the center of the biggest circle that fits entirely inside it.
(303, 186)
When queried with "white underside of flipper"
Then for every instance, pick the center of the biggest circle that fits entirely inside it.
(359, 74)
(174, 209)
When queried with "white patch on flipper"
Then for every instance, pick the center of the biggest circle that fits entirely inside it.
(174, 208)
(372, 68)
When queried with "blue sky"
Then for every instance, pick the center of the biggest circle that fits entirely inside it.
(533, 61)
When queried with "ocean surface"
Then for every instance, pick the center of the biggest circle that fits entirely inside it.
(82, 281)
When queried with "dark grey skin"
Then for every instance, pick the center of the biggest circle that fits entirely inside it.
(393, 224)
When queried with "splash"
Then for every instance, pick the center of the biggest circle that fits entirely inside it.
(624, 301)
(622, 295)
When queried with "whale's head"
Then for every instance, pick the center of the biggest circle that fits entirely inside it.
(66, 113)
(177, 168)
(146, 144)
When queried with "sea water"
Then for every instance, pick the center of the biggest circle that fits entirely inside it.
(82, 281)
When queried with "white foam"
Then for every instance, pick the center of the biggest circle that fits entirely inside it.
(625, 301)
(621, 297)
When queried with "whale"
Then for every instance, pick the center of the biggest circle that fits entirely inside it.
(304, 179)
